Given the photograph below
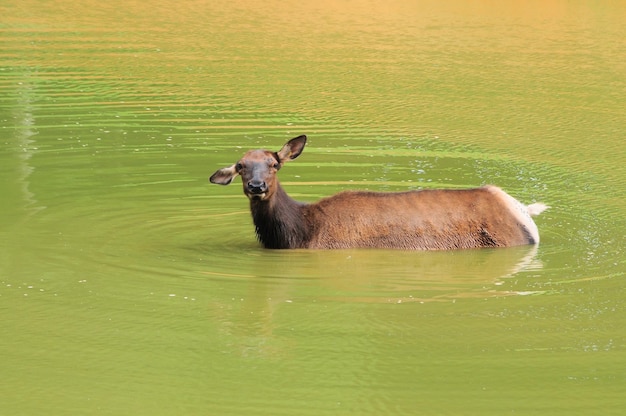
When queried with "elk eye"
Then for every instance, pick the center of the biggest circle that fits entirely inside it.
(276, 165)
(238, 166)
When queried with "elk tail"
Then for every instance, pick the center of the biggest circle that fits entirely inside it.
(536, 208)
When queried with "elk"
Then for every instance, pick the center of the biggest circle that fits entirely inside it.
(429, 219)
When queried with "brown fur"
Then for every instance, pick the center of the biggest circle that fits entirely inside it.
(421, 220)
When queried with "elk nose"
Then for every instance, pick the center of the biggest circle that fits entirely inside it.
(257, 187)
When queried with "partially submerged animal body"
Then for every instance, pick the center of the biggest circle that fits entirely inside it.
(435, 219)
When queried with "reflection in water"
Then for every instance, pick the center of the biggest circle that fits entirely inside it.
(420, 277)
(393, 276)
(255, 316)
(24, 145)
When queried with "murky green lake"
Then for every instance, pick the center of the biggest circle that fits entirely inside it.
(130, 285)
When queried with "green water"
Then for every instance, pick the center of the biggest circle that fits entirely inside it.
(129, 285)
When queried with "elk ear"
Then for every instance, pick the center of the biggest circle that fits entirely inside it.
(224, 176)
(292, 149)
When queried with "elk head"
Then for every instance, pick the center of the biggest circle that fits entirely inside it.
(258, 168)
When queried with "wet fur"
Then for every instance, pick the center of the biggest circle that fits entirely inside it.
(422, 220)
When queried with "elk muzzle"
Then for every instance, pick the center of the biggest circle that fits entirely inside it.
(256, 189)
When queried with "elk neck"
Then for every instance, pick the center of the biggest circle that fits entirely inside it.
(280, 221)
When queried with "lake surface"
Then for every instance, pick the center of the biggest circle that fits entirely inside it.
(130, 285)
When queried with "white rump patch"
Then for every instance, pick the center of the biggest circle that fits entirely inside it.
(521, 212)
